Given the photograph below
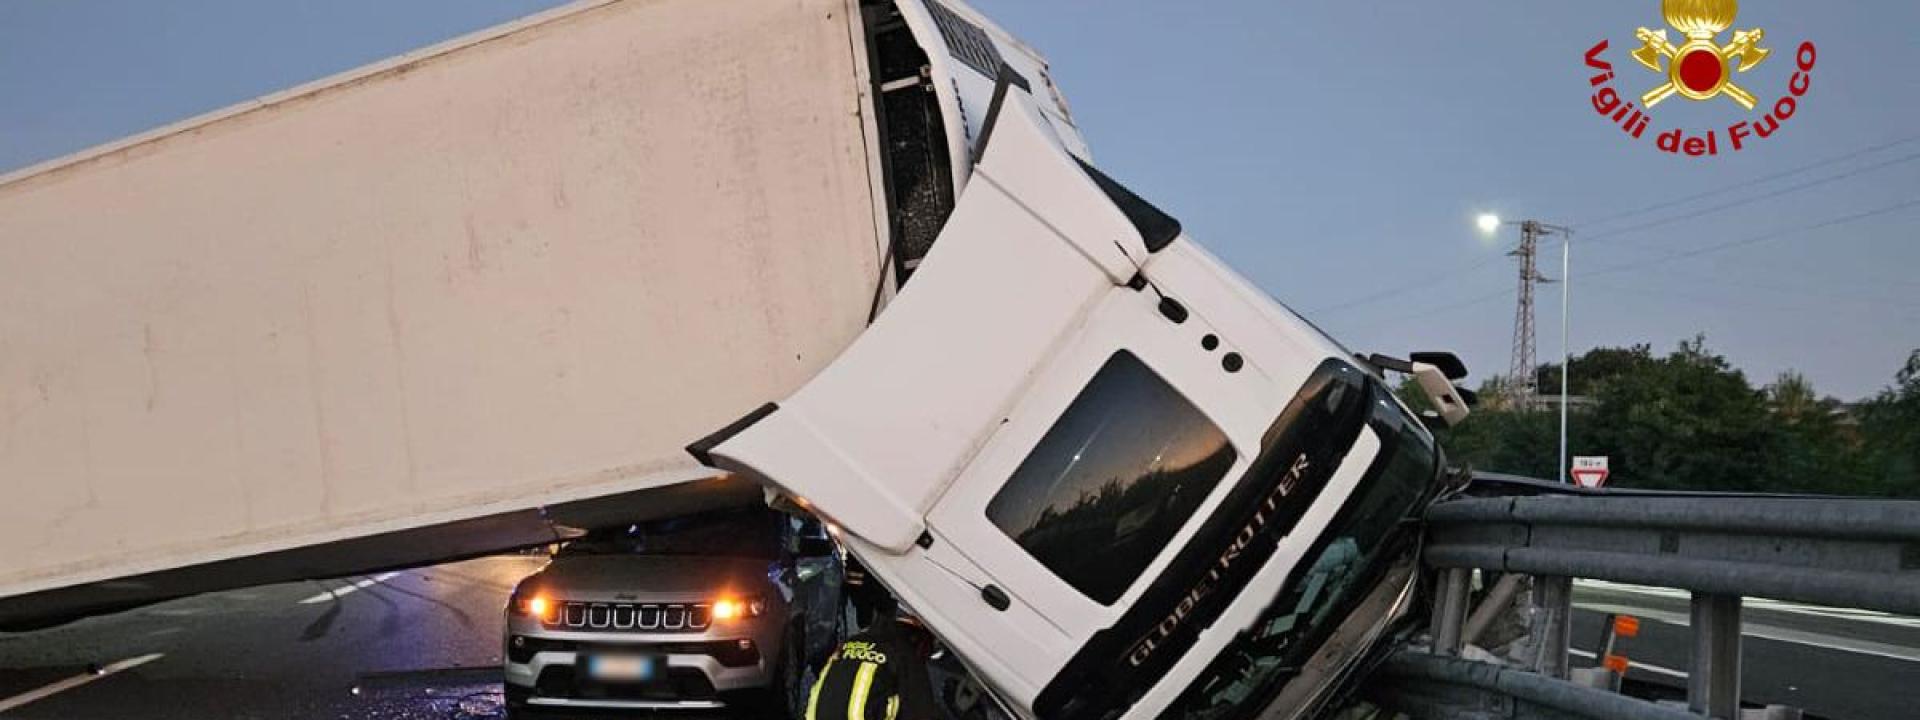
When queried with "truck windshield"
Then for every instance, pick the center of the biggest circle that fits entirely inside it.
(741, 533)
(1122, 470)
(1364, 539)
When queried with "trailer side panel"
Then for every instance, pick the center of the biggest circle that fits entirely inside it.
(522, 268)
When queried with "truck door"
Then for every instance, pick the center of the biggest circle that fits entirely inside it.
(1079, 500)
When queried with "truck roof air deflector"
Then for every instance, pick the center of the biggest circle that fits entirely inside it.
(1006, 79)
(1157, 229)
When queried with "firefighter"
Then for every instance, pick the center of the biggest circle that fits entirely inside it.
(878, 674)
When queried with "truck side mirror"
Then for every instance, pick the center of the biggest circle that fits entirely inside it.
(1448, 405)
(1448, 363)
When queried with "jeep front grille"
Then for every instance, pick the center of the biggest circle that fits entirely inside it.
(629, 617)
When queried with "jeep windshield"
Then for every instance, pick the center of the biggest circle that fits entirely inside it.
(737, 533)
(1373, 529)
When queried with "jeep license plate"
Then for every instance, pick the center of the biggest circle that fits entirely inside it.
(621, 668)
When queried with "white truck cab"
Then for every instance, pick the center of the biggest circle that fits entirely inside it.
(1116, 478)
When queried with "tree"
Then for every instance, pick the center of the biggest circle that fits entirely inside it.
(1817, 451)
(1596, 366)
(1890, 428)
(1690, 420)
(1505, 441)
(1685, 421)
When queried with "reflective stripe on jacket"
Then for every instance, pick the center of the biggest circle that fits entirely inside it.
(875, 675)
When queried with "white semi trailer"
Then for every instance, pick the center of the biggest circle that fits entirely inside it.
(421, 300)
(485, 294)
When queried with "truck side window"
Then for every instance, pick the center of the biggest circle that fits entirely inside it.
(1113, 480)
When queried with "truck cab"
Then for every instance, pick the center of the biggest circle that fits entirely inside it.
(1114, 476)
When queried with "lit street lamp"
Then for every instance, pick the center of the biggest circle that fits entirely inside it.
(1490, 223)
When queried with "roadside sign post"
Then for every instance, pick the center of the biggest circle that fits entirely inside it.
(1590, 471)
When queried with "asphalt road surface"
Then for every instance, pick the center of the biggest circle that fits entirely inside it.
(417, 644)
(1834, 663)
(426, 644)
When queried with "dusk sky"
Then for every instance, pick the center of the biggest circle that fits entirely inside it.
(1336, 153)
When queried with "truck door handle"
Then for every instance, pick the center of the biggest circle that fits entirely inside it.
(996, 598)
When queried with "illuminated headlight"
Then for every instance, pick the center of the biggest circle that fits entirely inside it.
(534, 605)
(735, 608)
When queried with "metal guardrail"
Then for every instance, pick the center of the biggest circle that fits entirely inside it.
(1823, 551)
(1460, 688)
(1845, 552)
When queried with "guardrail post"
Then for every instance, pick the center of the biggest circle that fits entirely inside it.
(1498, 600)
(1450, 610)
(1553, 613)
(1713, 685)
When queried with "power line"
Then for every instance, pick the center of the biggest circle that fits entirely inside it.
(1642, 291)
(1438, 309)
(1501, 294)
(1411, 285)
(1852, 277)
(1748, 183)
(1697, 214)
(1756, 239)
(1427, 280)
(1779, 286)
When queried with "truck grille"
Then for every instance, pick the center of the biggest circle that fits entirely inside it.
(628, 617)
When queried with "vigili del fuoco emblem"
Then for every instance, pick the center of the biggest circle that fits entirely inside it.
(1702, 68)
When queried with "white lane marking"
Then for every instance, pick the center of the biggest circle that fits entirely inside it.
(1667, 671)
(1872, 616)
(337, 592)
(1755, 628)
(1630, 587)
(76, 681)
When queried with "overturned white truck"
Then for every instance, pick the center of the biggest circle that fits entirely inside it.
(1116, 478)
(482, 296)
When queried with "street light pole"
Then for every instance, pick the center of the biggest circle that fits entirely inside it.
(1566, 353)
